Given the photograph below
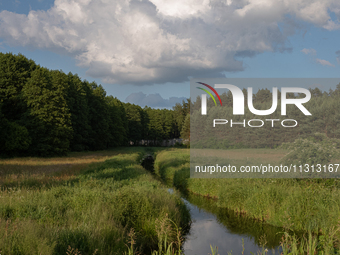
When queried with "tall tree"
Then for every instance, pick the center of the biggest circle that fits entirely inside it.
(48, 119)
(14, 73)
(78, 104)
(134, 118)
(117, 122)
(98, 116)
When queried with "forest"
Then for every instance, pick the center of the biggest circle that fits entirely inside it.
(49, 113)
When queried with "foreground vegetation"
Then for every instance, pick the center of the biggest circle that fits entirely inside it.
(96, 209)
(114, 206)
(295, 204)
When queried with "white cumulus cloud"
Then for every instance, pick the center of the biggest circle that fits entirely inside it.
(158, 41)
(309, 51)
(323, 62)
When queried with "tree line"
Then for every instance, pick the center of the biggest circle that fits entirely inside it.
(47, 112)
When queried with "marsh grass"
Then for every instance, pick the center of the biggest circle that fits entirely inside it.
(169, 239)
(36, 172)
(88, 210)
(296, 204)
(308, 244)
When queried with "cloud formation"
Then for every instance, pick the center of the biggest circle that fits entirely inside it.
(323, 62)
(157, 41)
(310, 51)
(153, 100)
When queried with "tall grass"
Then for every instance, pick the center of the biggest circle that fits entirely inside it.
(90, 211)
(296, 204)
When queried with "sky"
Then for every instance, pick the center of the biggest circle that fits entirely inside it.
(146, 51)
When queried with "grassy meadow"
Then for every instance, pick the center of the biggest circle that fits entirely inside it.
(296, 204)
(105, 202)
(88, 203)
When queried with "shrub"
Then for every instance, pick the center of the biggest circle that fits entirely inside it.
(317, 149)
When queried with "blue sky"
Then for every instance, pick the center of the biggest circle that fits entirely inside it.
(145, 51)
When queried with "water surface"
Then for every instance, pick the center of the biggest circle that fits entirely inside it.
(226, 230)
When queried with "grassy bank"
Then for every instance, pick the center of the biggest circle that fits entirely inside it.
(297, 204)
(55, 206)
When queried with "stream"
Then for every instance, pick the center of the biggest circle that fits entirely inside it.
(229, 231)
(225, 229)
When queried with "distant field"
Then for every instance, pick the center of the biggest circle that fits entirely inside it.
(74, 158)
(15, 170)
(237, 157)
(272, 155)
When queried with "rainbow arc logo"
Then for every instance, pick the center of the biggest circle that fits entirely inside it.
(208, 92)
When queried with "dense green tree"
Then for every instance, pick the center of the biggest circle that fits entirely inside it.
(134, 118)
(98, 117)
(14, 73)
(14, 139)
(185, 132)
(77, 102)
(123, 128)
(196, 105)
(180, 111)
(316, 92)
(117, 126)
(48, 118)
(168, 124)
(262, 96)
(45, 113)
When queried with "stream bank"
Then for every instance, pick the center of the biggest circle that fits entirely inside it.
(215, 226)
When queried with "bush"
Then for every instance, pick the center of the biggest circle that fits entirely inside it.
(317, 149)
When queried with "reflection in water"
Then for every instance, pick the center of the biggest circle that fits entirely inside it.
(225, 229)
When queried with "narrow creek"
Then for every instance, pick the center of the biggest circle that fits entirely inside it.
(223, 228)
